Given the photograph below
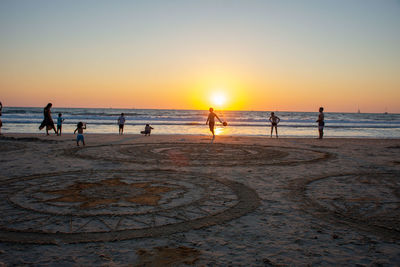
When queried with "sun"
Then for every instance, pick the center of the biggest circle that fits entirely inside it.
(218, 99)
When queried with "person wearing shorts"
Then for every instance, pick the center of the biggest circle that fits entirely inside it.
(80, 138)
(1, 123)
(59, 123)
(121, 123)
(211, 121)
(274, 123)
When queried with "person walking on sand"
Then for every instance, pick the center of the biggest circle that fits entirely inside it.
(211, 121)
(80, 127)
(1, 123)
(121, 123)
(274, 123)
(321, 122)
(48, 121)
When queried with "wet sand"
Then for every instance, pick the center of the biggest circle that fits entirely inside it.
(182, 201)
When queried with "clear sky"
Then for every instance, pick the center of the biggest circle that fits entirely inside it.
(254, 55)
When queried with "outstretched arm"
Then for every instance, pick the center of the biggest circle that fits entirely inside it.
(218, 118)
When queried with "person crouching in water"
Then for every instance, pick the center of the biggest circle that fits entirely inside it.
(211, 121)
(274, 123)
(80, 127)
(147, 130)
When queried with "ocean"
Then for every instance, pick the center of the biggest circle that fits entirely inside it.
(240, 123)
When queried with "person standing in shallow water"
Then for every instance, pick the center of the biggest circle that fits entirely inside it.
(321, 122)
(274, 123)
(1, 123)
(211, 121)
(48, 121)
(121, 123)
(59, 123)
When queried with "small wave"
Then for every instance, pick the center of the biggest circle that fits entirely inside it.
(21, 111)
(194, 123)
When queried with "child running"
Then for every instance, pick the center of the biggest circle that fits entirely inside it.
(80, 127)
(59, 123)
(274, 123)
(211, 121)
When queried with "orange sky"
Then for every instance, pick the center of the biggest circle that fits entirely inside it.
(264, 56)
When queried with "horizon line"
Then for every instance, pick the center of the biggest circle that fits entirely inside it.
(185, 109)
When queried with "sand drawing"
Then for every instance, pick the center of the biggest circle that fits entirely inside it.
(201, 154)
(116, 205)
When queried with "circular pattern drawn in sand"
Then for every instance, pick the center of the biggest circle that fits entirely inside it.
(367, 201)
(10, 146)
(84, 206)
(200, 154)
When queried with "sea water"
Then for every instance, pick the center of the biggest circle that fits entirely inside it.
(240, 123)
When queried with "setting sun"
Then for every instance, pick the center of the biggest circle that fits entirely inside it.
(218, 99)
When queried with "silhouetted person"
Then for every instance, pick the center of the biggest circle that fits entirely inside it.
(59, 123)
(211, 121)
(321, 122)
(121, 123)
(1, 123)
(48, 121)
(147, 130)
(274, 123)
(80, 127)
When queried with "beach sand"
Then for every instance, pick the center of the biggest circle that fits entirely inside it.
(182, 201)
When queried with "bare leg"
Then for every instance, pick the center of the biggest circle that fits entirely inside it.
(272, 130)
(276, 131)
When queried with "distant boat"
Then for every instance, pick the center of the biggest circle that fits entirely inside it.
(358, 111)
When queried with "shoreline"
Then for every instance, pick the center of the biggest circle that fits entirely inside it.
(240, 123)
(52, 136)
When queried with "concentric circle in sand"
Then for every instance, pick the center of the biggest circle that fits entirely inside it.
(200, 154)
(368, 201)
(85, 206)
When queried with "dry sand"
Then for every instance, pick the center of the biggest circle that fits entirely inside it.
(182, 201)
